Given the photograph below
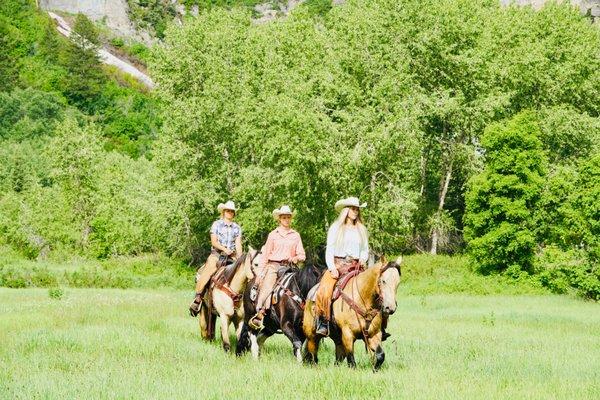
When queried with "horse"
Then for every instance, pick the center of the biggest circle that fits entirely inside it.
(224, 297)
(358, 313)
(284, 315)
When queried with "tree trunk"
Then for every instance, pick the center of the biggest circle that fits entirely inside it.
(442, 198)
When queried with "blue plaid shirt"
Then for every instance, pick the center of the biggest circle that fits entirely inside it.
(226, 233)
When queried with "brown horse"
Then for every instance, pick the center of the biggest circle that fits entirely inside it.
(357, 314)
(224, 298)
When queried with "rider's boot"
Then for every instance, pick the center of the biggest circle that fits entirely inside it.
(196, 304)
(256, 322)
(322, 327)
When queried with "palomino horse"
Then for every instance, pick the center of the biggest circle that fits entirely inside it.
(357, 314)
(285, 313)
(224, 298)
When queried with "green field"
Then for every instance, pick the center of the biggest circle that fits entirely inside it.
(112, 343)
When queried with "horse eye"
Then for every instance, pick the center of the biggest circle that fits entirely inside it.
(383, 281)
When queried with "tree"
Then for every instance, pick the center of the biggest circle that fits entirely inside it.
(84, 82)
(501, 200)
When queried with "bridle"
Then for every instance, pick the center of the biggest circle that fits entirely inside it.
(370, 314)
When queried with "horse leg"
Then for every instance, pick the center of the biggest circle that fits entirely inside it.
(340, 353)
(239, 323)
(374, 345)
(312, 349)
(288, 330)
(204, 320)
(225, 331)
(254, 346)
(348, 346)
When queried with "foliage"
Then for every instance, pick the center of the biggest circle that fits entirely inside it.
(153, 15)
(564, 271)
(83, 84)
(29, 113)
(501, 200)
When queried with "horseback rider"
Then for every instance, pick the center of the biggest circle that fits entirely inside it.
(283, 247)
(347, 247)
(226, 242)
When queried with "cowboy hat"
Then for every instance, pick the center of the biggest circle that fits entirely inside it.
(283, 210)
(349, 202)
(229, 205)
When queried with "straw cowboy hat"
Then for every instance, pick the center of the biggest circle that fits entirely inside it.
(349, 202)
(283, 210)
(230, 205)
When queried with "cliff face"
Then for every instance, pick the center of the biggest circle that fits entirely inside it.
(113, 13)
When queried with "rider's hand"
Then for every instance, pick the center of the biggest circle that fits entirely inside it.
(228, 252)
(334, 273)
(294, 260)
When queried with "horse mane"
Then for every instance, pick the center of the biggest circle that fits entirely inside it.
(393, 264)
(308, 277)
(231, 269)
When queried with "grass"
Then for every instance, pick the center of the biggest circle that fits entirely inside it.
(148, 271)
(111, 343)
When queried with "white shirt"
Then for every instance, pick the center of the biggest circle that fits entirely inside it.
(351, 246)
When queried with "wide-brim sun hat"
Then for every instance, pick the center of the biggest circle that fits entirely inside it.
(349, 202)
(283, 210)
(229, 205)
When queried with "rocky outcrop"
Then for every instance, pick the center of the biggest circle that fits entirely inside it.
(105, 56)
(112, 12)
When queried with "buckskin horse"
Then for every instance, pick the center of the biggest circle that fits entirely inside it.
(224, 298)
(358, 313)
(285, 313)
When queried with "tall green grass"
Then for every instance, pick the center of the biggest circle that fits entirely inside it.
(421, 274)
(148, 271)
(134, 344)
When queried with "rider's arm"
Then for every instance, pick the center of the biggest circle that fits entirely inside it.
(329, 250)
(300, 253)
(238, 244)
(364, 252)
(267, 253)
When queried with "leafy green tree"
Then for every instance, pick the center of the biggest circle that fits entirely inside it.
(29, 113)
(501, 200)
(83, 84)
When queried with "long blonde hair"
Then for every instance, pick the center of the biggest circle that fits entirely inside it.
(340, 225)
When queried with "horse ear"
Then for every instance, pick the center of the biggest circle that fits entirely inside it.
(399, 260)
(383, 260)
(250, 249)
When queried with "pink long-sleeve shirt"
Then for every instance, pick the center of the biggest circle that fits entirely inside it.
(282, 245)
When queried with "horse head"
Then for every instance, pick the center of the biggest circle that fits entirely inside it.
(389, 279)
(251, 262)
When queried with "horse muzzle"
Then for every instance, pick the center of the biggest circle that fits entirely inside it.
(387, 310)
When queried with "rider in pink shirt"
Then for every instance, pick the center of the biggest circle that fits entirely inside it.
(283, 247)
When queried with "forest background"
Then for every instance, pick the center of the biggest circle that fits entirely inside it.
(470, 129)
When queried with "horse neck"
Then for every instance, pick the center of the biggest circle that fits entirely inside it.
(239, 279)
(366, 285)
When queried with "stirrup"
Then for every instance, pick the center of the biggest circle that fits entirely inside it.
(322, 327)
(254, 325)
(196, 305)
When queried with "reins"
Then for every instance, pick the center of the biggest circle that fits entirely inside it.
(370, 314)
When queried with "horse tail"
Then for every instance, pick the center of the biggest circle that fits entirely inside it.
(243, 343)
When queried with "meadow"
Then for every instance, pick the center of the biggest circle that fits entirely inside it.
(139, 343)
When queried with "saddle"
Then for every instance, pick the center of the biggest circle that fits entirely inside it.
(282, 287)
(345, 275)
(219, 280)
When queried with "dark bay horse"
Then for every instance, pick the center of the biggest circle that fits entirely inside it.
(285, 315)
(357, 314)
